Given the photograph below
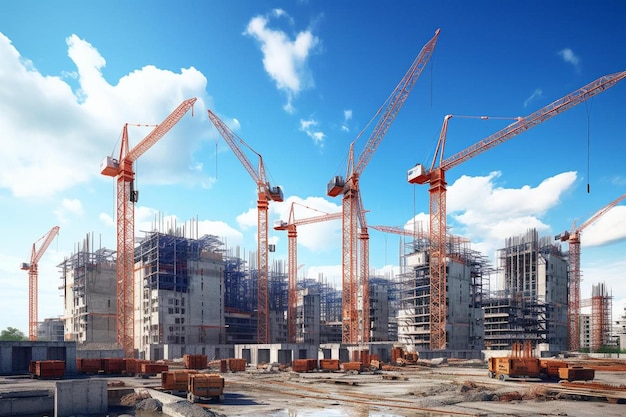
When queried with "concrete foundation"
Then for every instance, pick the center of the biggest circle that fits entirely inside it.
(285, 353)
(31, 402)
(80, 397)
(16, 356)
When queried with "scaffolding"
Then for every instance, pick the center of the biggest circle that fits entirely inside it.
(601, 307)
(238, 287)
(81, 273)
(166, 256)
(414, 287)
(525, 309)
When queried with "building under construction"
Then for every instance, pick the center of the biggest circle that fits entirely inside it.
(178, 294)
(89, 296)
(467, 273)
(531, 303)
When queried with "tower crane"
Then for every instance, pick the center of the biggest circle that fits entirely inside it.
(266, 193)
(435, 176)
(292, 252)
(122, 169)
(349, 188)
(573, 260)
(33, 278)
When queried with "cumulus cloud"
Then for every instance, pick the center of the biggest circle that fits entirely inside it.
(106, 219)
(315, 236)
(609, 228)
(284, 59)
(69, 206)
(59, 142)
(310, 128)
(148, 219)
(487, 214)
(568, 56)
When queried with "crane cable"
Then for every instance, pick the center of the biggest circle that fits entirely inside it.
(588, 107)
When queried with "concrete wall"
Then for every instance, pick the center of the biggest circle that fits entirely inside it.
(84, 397)
(35, 402)
(173, 351)
(283, 353)
(16, 356)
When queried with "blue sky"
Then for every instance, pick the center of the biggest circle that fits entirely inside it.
(298, 81)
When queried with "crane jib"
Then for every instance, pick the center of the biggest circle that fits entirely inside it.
(532, 120)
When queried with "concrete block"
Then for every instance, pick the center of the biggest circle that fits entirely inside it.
(26, 403)
(80, 397)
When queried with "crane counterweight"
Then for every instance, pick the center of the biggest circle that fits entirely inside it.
(110, 167)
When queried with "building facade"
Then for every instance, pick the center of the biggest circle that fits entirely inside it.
(178, 295)
(465, 273)
(532, 301)
(89, 294)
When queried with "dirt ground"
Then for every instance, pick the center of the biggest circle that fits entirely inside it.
(463, 389)
(449, 389)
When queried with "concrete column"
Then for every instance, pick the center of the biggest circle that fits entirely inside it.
(70, 359)
(6, 360)
(80, 397)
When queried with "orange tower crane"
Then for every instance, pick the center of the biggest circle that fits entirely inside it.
(349, 188)
(435, 176)
(292, 252)
(266, 192)
(122, 169)
(33, 278)
(573, 265)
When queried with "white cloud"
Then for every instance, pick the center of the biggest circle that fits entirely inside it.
(568, 56)
(285, 60)
(609, 228)
(69, 206)
(347, 116)
(330, 274)
(610, 273)
(538, 93)
(106, 219)
(316, 236)
(309, 127)
(148, 219)
(488, 214)
(59, 142)
(248, 219)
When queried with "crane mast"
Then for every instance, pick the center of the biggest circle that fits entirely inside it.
(126, 196)
(266, 193)
(349, 187)
(436, 178)
(573, 266)
(292, 264)
(33, 279)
